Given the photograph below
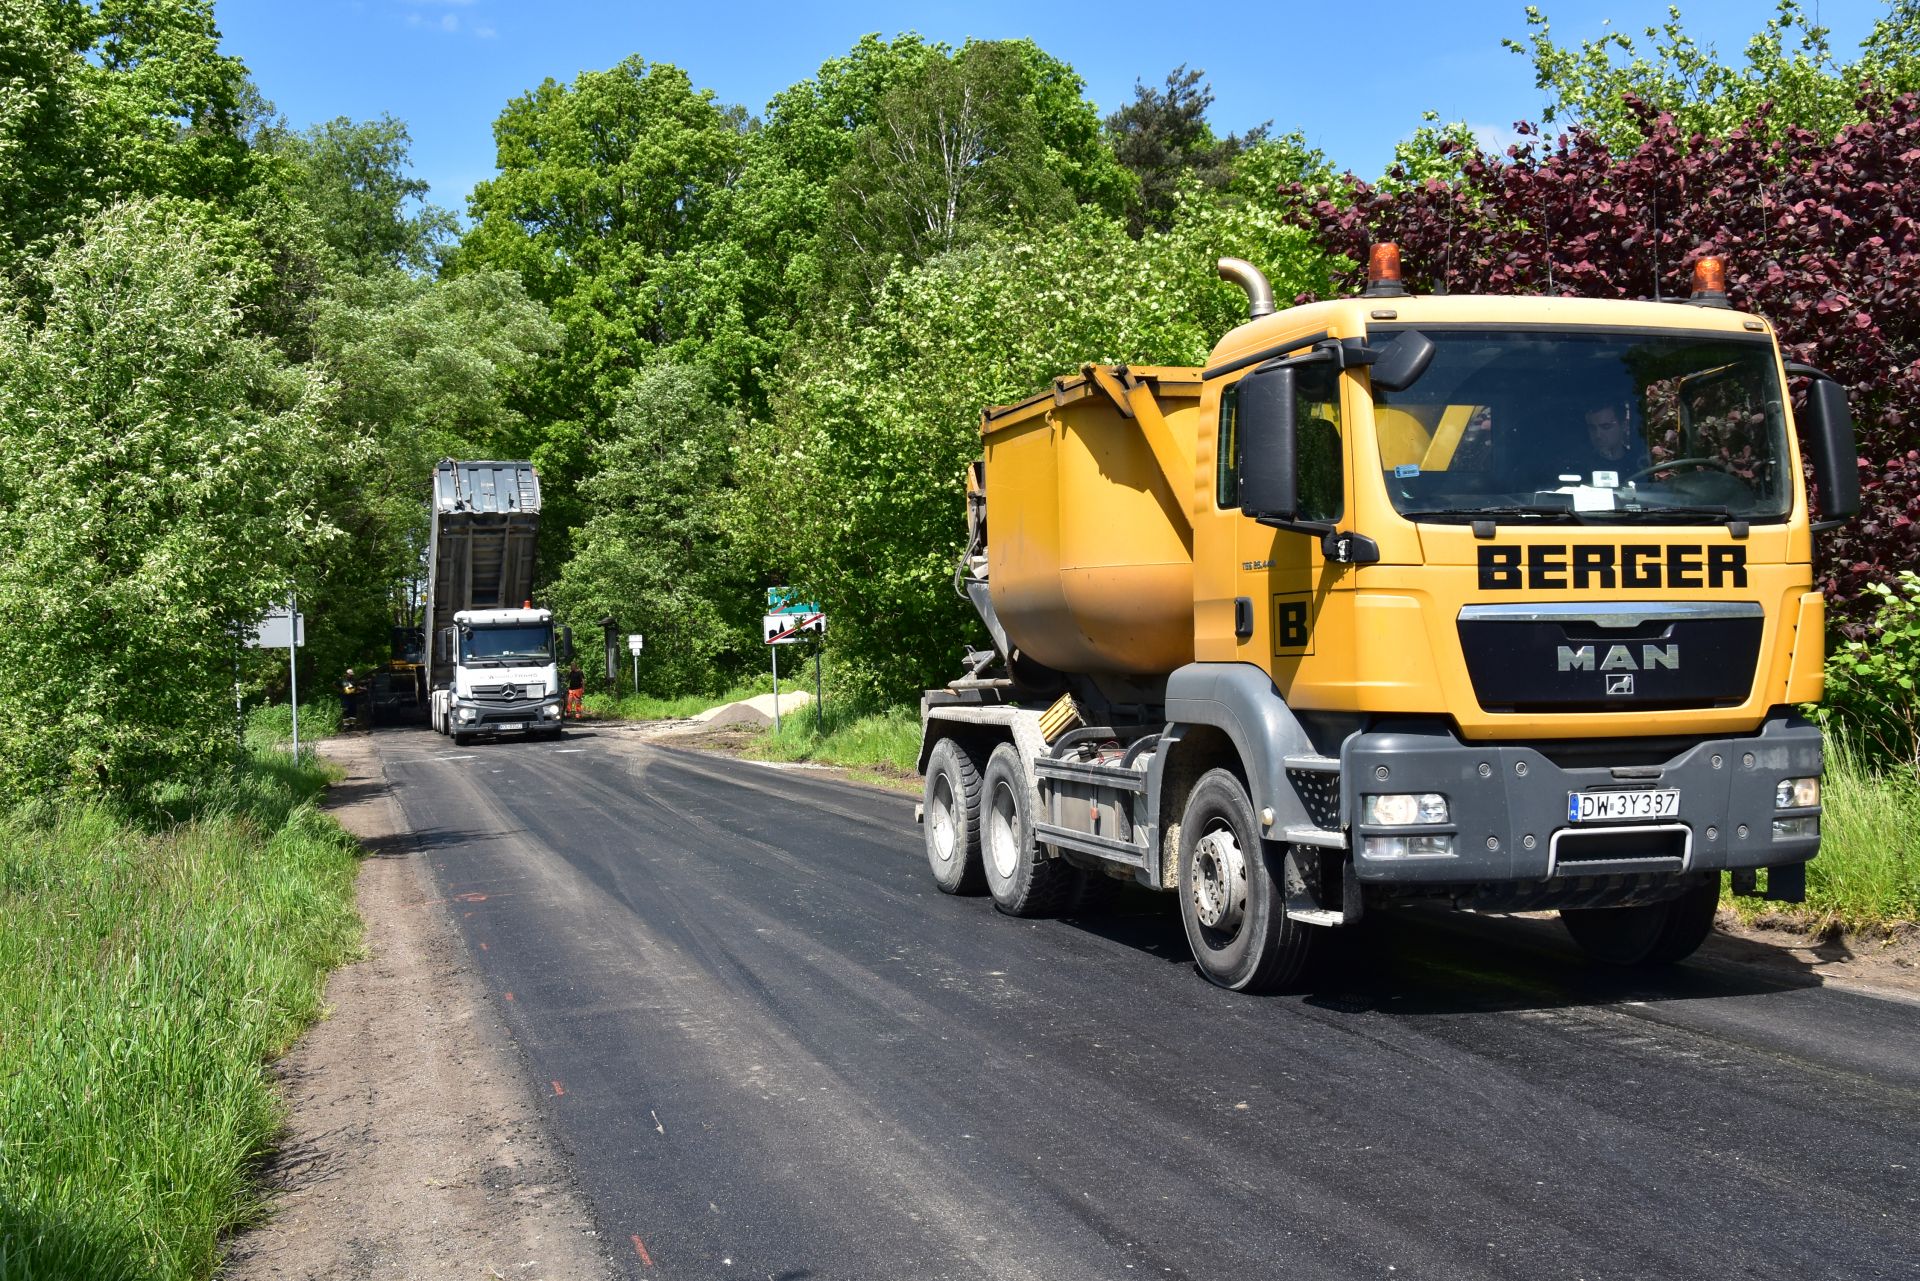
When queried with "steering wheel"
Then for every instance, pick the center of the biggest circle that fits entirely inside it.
(1677, 464)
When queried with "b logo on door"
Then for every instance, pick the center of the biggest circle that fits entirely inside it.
(1293, 625)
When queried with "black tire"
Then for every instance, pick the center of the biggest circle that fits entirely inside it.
(1021, 882)
(1649, 935)
(1234, 907)
(951, 817)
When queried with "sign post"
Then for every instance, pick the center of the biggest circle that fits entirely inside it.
(789, 621)
(285, 627)
(634, 642)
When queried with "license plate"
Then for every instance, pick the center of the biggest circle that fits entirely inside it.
(507, 725)
(1605, 807)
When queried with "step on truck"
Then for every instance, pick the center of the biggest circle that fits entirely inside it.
(1503, 603)
(492, 658)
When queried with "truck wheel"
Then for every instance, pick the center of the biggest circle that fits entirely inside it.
(1021, 882)
(952, 818)
(1231, 900)
(1651, 934)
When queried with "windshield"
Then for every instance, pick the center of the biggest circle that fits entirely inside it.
(1594, 427)
(506, 646)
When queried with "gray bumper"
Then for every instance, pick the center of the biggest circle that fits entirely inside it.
(1509, 805)
(493, 718)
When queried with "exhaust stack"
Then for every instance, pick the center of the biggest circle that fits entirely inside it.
(1248, 277)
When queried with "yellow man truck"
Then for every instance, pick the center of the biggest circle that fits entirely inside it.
(1504, 603)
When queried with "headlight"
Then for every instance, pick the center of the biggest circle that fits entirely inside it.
(549, 711)
(465, 714)
(1406, 847)
(1794, 829)
(1796, 794)
(1402, 809)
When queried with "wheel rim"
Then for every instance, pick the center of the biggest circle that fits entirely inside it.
(1003, 844)
(940, 820)
(1218, 886)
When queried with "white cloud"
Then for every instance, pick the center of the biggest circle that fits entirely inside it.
(450, 23)
(485, 33)
(1494, 138)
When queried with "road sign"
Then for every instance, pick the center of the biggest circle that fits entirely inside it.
(634, 642)
(791, 629)
(786, 600)
(280, 629)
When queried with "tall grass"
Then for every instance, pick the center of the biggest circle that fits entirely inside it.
(646, 707)
(887, 740)
(1868, 870)
(271, 725)
(147, 974)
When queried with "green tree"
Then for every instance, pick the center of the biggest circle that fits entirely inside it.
(953, 149)
(1162, 136)
(353, 176)
(173, 458)
(603, 185)
(424, 371)
(657, 552)
(1790, 67)
(852, 488)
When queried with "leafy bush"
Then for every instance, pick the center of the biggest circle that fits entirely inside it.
(168, 492)
(1871, 682)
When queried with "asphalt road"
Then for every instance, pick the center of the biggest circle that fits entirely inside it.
(773, 1049)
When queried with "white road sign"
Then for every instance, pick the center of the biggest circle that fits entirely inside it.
(790, 629)
(279, 630)
(634, 642)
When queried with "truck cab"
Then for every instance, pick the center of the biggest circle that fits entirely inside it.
(505, 675)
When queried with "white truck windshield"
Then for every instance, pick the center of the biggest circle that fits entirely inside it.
(506, 646)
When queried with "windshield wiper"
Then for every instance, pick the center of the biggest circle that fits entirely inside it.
(1541, 510)
(1703, 510)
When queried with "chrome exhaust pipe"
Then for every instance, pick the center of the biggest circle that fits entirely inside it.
(1248, 277)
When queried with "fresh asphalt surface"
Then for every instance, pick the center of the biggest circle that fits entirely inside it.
(773, 1049)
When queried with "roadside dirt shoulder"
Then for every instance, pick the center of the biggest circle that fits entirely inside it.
(413, 1149)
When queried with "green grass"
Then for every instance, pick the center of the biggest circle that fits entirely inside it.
(147, 975)
(887, 741)
(271, 725)
(646, 707)
(1868, 870)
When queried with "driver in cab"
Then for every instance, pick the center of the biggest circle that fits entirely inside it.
(1613, 451)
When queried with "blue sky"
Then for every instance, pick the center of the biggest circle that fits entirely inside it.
(1353, 77)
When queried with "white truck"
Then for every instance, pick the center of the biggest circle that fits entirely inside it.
(493, 661)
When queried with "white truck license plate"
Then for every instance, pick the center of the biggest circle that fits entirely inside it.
(1602, 807)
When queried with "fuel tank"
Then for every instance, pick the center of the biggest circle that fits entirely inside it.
(1089, 540)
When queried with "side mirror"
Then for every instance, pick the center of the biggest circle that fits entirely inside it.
(1268, 442)
(1836, 461)
(443, 645)
(566, 644)
(1402, 361)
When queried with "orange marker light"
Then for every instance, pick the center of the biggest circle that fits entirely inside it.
(1383, 262)
(1383, 271)
(1709, 276)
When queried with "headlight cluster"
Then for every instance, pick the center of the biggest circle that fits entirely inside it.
(550, 711)
(1405, 809)
(1796, 794)
(465, 714)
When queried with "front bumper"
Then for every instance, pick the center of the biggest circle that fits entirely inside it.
(1508, 811)
(470, 716)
